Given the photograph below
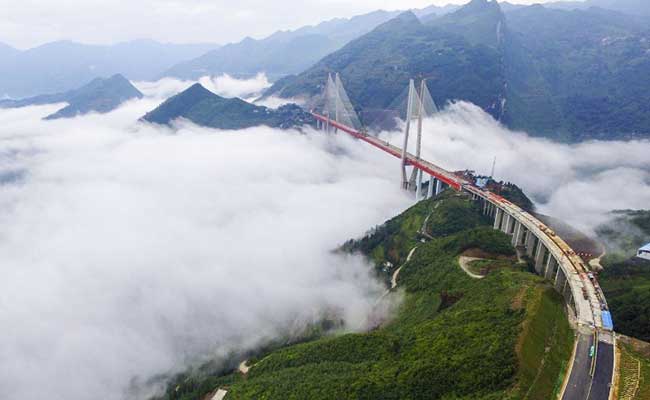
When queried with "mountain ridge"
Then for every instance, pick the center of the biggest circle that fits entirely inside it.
(100, 95)
(204, 108)
(63, 65)
(520, 75)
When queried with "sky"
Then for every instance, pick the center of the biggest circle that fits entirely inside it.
(133, 251)
(29, 23)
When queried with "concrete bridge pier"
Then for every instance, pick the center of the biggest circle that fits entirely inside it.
(430, 188)
(539, 258)
(505, 221)
(438, 186)
(492, 209)
(551, 266)
(560, 280)
(530, 244)
(519, 232)
(497, 218)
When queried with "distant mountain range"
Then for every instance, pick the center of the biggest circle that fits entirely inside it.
(283, 53)
(204, 108)
(631, 7)
(568, 75)
(100, 95)
(61, 66)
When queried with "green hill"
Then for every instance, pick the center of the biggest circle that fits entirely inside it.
(199, 105)
(454, 337)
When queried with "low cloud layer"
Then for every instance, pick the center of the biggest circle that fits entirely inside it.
(578, 183)
(224, 85)
(129, 251)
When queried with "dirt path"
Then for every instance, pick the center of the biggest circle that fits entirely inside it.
(219, 395)
(595, 262)
(464, 264)
(393, 281)
(244, 367)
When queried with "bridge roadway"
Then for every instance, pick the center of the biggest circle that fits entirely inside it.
(548, 251)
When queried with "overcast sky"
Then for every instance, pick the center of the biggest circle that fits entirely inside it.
(29, 23)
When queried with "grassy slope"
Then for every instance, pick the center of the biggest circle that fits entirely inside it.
(453, 338)
(634, 384)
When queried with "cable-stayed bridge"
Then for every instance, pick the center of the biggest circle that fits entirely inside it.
(591, 372)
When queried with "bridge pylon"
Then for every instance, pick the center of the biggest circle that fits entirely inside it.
(415, 109)
(336, 106)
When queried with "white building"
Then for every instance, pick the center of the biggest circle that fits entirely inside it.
(644, 252)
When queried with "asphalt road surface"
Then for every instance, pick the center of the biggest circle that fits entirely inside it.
(603, 374)
(580, 379)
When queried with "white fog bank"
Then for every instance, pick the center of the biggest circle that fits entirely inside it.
(129, 251)
(578, 183)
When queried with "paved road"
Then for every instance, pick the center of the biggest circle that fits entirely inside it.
(603, 374)
(580, 379)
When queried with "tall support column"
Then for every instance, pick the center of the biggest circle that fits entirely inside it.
(430, 188)
(560, 281)
(337, 116)
(550, 267)
(497, 218)
(438, 186)
(519, 231)
(416, 174)
(530, 243)
(409, 116)
(418, 189)
(505, 223)
(539, 258)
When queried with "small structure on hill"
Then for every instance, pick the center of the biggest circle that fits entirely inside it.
(644, 252)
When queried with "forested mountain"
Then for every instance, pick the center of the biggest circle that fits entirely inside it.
(100, 95)
(568, 75)
(376, 67)
(199, 105)
(61, 66)
(578, 74)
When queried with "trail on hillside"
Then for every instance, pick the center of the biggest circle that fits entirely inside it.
(464, 261)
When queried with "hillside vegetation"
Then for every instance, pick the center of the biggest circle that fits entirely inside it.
(567, 75)
(634, 369)
(502, 337)
(626, 279)
(204, 108)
